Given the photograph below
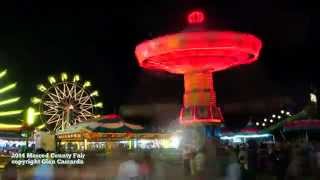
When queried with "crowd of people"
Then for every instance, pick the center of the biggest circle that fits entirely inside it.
(283, 161)
(253, 161)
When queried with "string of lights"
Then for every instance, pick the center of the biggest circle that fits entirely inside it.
(271, 119)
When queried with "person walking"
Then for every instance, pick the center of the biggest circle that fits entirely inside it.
(280, 161)
(129, 169)
(233, 170)
(186, 156)
(146, 167)
(200, 164)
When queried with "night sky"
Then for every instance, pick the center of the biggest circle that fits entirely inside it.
(97, 40)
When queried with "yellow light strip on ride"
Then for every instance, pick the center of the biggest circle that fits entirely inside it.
(9, 113)
(30, 116)
(8, 87)
(10, 126)
(3, 73)
(9, 101)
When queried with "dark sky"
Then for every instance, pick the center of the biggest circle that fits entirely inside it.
(97, 40)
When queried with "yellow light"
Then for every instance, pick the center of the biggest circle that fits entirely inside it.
(9, 113)
(9, 101)
(86, 84)
(94, 93)
(52, 80)
(76, 78)
(36, 113)
(35, 100)
(41, 88)
(64, 76)
(85, 144)
(8, 87)
(10, 126)
(99, 104)
(3, 73)
(30, 116)
(41, 126)
(130, 145)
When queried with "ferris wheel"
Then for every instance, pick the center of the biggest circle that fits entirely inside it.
(66, 102)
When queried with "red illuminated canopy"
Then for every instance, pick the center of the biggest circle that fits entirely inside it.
(197, 51)
(197, 54)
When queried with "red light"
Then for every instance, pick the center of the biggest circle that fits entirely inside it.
(110, 116)
(196, 17)
(197, 55)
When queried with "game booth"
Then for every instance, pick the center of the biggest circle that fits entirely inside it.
(109, 133)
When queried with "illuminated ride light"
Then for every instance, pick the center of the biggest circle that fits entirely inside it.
(64, 103)
(9, 126)
(8, 88)
(196, 55)
(10, 101)
(3, 73)
(196, 17)
(246, 136)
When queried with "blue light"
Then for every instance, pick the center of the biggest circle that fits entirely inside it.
(246, 136)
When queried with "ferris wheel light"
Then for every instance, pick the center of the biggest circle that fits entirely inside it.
(9, 113)
(263, 124)
(64, 76)
(9, 101)
(94, 93)
(279, 117)
(257, 123)
(71, 97)
(30, 116)
(8, 87)
(99, 105)
(273, 115)
(52, 80)
(76, 78)
(41, 88)
(35, 100)
(41, 126)
(288, 113)
(282, 111)
(86, 84)
(3, 73)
